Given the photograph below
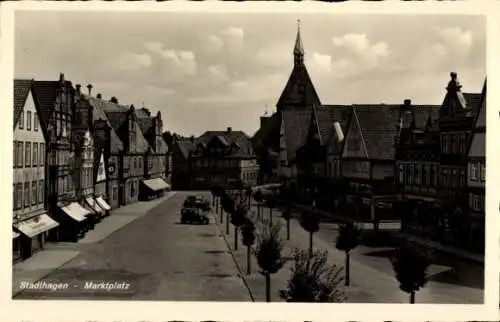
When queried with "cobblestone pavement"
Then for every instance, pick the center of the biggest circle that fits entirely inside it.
(452, 280)
(159, 258)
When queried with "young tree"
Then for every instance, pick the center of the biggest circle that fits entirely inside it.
(310, 222)
(410, 263)
(312, 279)
(257, 196)
(268, 254)
(238, 218)
(248, 239)
(248, 193)
(347, 240)
(228, 204)
(271, 202)
(287, 215)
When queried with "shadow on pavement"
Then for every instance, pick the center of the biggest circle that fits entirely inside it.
(452, 276)
(386, 253)
(216, 251)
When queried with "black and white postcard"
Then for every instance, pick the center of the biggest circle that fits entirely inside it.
(181, 159)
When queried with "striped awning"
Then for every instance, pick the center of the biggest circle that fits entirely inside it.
(15, 235)
(102, 203)
(93, 205)
(156, 184)
(76, 211)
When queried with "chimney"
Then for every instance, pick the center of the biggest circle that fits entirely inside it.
(263, 121)
(89, 87)
(191, 138)
(407, 103)
(78, 88)
(113, 100)
(61, 77)
(99, 96)
(229, 130)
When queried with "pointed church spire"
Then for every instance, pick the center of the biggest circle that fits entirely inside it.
(298, 50)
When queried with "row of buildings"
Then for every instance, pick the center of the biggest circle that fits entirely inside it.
(421, 164)
(224, 158)
(75, 158)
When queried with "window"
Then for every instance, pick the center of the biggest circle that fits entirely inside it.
(474, 171)
(35, 122)
(19, 195)
(461, 145)
(114, 193)
(445, 178)
(135, 162)
(14, 197)
(401, 174)
(27, 154)
(20, 156)
(411, 174)
(483, 171)
(26, 194)
(41, 154)
(14, 155)
(34, 193)
(125, 162)
(21, 120)
(140, 162)
(40, 191)
(28, 120)
(417, 174)
(453, 146)
(462, 182)
(444, 142)
(35, 154)
(425, 174)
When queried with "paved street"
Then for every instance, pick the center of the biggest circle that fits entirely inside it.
(452, 280)
(160, 259)
(144, 245)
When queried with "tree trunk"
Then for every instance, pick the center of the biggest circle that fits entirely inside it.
(249, 260)
(227, 223)
(412, 298)
(288, 230)
(268, 287)
(347, 268)
(235, 237)
(270, 217)
(310, 244)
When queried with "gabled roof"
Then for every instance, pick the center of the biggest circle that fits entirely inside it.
(379, 126)
(22, 88)
(327, 115)
(98, 113)
(145, 123)
(296, 126)
(268, 135)
(473, 101)
(299, 90)
(46, 93)
(478, 146)
(243, 142)
(185, 146)
(481, 115)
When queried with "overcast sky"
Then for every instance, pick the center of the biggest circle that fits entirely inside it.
(210, 71)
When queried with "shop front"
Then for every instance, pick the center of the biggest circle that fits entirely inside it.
(33, 234)
(103, 204)
(153, 188)
(73, 219)
(92, 203)
(16, 246)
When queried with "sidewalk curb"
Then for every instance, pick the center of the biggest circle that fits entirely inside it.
(240, 271)
(14, 294)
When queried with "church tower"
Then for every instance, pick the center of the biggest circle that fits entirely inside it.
(299, 90)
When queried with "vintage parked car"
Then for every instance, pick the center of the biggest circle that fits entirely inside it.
(193, 215)
(197, 202)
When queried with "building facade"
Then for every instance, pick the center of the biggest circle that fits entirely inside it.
(31, 222)
(224, 158)
(476, 178)
(456, 118)
(57, 102)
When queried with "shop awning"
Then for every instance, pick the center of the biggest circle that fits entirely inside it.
(36, 225)
(15, 235)
(102, 203)
(93, 204)
(76, 211)
(156, 184)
